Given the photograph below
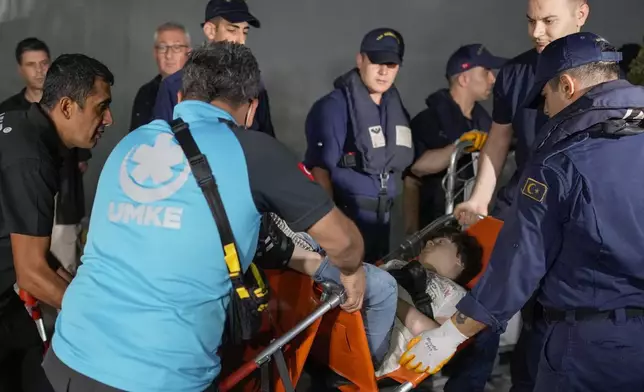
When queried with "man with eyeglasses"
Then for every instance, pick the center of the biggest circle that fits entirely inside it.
(171, 48)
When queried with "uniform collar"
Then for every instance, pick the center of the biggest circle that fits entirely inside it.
(607, 101)
(193, 110)
(47, 131)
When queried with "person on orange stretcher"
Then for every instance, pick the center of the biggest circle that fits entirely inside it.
(402, 299)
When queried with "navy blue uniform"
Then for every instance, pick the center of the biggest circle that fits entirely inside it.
(327, 128)
(513, 84)
(436, 127)
(574, 236)
(166, 100)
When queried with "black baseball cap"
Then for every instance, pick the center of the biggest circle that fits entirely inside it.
(471, 56)
(234, 11)
(569, 52)
(383, 46)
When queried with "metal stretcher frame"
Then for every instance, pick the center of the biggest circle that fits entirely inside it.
(352, 358)
(332, 296)
(342, 324)
(451, 179)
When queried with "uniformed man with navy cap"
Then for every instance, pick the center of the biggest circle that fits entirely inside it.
(358, 137)
(224, 20)
(452, 114)
(574, 235)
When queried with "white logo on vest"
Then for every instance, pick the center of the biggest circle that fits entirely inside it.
(147, 176)
(377, 137)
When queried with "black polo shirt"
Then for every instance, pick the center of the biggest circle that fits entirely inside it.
(144, 103)
(31, 155)
(15, 102)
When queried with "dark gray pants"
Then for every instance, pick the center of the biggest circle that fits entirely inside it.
(65, 379)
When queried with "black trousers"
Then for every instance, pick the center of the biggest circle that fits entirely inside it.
(21, 349)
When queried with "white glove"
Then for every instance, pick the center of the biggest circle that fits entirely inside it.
(431, 350)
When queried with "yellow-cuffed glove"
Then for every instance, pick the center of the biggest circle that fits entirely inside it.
(431, 350)
(478, 139)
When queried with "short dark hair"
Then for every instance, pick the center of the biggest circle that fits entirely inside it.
(224, 71)
(73, 76)
(31, 44)
(467, 248)
(592, 74)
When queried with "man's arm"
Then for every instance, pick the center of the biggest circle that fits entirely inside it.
(325, 134)
(279, 186)
(27, 192)
(433, 161)
(32, 271)
(491, 161)
(525, 249)
(413, 319)
(495, 150)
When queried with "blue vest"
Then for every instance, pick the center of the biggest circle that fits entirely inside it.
(383, 147)
(598, 265)
(147, 309)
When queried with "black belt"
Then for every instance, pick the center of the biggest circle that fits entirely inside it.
(374, 204)
(554, 315)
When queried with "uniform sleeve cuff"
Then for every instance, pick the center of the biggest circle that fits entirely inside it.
(473, 309)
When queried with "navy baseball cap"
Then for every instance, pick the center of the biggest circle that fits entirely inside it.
(569, 52)
(383, 46)
(471, 56)
(234, 11)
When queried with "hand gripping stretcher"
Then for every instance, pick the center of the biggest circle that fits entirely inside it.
(305, 323)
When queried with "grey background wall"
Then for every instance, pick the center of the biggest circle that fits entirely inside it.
(302, 45)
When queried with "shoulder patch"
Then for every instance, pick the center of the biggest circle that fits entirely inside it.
(535, 190)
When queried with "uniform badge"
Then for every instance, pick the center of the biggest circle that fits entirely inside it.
(535, 190)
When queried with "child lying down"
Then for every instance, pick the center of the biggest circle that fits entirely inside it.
(402, 299)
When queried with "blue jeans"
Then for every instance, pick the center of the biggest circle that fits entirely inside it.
(378, 308)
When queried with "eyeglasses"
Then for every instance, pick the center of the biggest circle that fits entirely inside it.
(163, 49)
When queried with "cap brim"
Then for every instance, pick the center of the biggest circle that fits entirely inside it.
(238, 17)
(384, 57)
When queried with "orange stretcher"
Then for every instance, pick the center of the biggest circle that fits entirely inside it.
(310, 326)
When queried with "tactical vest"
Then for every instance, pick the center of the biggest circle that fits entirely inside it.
(374, 148)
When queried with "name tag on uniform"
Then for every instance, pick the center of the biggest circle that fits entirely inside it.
(403, 136)
(377, 137)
